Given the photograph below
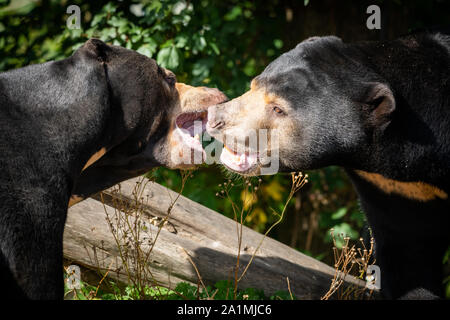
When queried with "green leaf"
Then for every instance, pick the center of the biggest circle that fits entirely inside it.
(110, 7)
(250, 68)
(168, 57)
(148, 49)
(187, 290)
(181, 40)
(214, 47)
(200, 70)
(278, 43)
(155, 5)
(168, 43)
(117, 22)
(108, 34)
(199, 43)
(233, 14)
(339, 214)
(97, 19)
(135, 38)
(345, 230)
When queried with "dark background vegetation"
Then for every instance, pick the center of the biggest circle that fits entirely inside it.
(224, 44)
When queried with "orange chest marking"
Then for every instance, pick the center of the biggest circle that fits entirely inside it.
(419, 191)
(94, 158)
(74, 199)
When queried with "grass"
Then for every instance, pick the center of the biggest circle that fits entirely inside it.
(183, 291)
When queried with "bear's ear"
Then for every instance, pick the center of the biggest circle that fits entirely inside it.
(381, 104)
(96, 49)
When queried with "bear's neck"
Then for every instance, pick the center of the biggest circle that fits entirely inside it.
(58, 118)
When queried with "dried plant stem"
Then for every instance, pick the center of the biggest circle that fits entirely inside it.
(196, 271)
(126, 229)
(298, 181)
(346, 259)
(289, 288)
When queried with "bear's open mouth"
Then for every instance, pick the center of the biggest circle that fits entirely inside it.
(191, 126)
(238, 161)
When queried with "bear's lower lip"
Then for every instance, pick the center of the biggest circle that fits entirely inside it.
(243, 163)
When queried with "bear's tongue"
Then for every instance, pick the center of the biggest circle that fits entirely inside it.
(240, 162)
(190, 126)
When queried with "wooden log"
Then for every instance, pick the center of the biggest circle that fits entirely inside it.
(193, 237)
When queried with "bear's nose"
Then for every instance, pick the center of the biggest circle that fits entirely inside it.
(217, 124)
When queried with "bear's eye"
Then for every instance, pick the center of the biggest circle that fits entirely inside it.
(278, 110)
(171, 79)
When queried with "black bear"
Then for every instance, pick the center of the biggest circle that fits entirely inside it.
(381, 110)
(73, 127)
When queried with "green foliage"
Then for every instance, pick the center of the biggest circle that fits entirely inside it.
(205, 42)
(222, 290)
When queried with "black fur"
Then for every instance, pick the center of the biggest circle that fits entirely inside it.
(408, 143)
(53, 118)
(379, 107)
